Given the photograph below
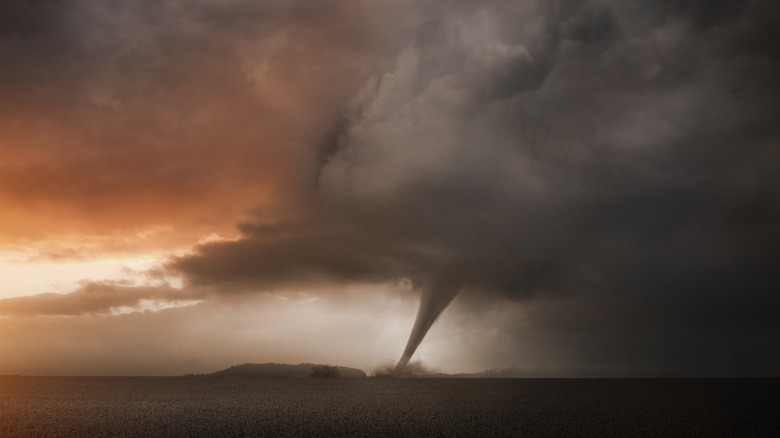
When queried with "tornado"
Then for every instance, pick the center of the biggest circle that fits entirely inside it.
(433, 301)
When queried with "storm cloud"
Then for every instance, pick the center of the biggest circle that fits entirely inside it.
(95, 299)
(118, 115)
(617, 154)
(608, 165)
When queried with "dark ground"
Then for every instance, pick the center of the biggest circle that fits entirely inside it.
(246, 406)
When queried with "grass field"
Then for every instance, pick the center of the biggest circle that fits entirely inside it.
(235, 406)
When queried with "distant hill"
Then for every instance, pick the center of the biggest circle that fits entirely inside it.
(281, 370)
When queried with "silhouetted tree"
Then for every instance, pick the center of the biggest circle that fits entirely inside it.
(325, 371)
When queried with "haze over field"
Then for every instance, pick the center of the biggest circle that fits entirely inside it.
(572, 184)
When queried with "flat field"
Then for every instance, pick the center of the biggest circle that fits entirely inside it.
(250, 406)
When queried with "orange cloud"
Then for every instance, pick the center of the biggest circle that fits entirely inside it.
(93, 299)
(185, 117)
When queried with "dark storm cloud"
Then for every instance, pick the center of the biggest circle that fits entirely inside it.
(304, 254)
(700, 13)
(28, 18)
(618, 155)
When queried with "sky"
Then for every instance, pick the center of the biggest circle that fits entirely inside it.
(570, 187)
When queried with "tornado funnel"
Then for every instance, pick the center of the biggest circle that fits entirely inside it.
(433, 301)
